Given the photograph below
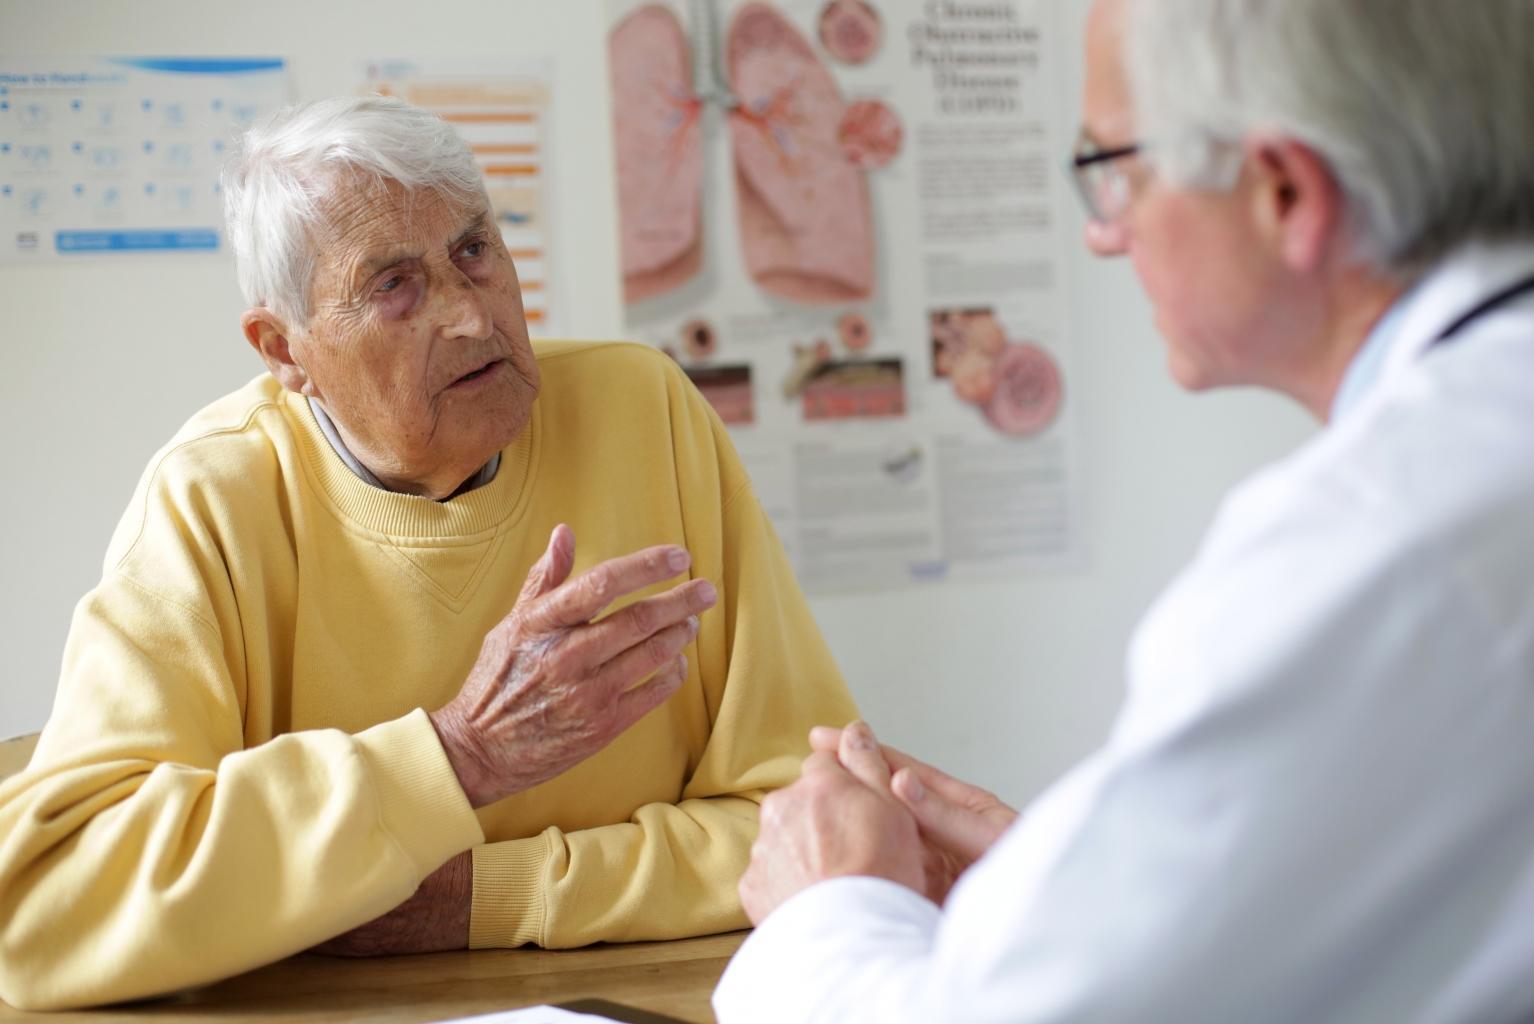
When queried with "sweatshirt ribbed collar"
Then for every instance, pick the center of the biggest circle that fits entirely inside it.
(409, 516)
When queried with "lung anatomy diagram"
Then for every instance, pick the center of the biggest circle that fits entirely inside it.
(805, 224)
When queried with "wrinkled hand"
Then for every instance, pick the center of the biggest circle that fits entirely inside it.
(434, 918)
(551, 687)
(838, 819)
(958, 822)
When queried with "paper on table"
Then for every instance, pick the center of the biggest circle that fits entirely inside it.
(532, 1015)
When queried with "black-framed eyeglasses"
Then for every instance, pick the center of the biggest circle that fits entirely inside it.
(1101, 180)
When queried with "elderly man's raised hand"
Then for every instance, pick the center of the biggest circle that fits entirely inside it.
(551, 687)
(958, 821)
(839, 819)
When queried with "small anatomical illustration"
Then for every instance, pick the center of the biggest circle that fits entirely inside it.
(1027, 393)
(855, 336)
(1015, 385)
(844, 390)
(870, 134)
(806, 226)
(699, 339)
(727, 389)
(962, 336)
(807, 361)
(854, 332)
(850, 30)
(903, 463)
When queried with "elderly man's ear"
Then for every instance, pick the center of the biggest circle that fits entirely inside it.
(269, 337)
(1298, 203)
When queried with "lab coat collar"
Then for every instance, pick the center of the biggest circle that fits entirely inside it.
(1449, 291)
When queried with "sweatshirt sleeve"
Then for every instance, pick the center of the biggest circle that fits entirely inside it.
(672, 869)
(146, 850)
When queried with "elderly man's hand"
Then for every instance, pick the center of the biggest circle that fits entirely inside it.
(839, 819)
(551, 687)
(958, 822)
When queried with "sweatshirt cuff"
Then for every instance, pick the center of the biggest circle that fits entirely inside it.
(509, 887)
(420, 803)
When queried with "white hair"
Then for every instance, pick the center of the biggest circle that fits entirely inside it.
(276, 182)
(1423, 109)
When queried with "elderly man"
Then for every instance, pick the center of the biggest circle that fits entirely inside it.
(1318, 802)
(319, 686)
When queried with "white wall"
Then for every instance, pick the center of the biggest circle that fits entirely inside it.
(1006, 683)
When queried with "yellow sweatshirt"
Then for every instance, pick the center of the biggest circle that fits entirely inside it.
(239, 765)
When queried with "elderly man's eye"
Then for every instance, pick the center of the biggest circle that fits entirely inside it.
(474, 250)
(391, 283)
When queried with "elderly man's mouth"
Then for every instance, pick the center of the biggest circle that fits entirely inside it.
(484, 373)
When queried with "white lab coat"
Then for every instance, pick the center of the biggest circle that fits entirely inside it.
(1317, 803)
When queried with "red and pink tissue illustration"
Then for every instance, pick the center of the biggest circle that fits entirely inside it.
(871, 134)
(841, 390)
(801, 153)
(1015, 385)
(660, 153)
(728, 390)
(854, 331)
(805, 222)
(850, 30)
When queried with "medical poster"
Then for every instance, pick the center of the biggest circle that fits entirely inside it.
(840, 217)
(503, 109)
(121, 155)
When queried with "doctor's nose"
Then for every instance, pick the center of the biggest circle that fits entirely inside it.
(1106, 239)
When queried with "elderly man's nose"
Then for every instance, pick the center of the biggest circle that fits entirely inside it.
(467, 313)
(1107, 239)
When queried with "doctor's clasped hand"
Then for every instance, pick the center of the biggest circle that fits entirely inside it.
(914, 825)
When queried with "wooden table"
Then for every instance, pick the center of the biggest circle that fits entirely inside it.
(15, 753)
(674, 978)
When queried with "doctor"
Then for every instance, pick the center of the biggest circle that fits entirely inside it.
(1317, 803)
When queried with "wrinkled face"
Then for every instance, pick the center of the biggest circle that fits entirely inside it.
(417, 344)
(1196, 252)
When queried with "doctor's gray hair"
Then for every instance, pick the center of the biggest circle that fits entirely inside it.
(1423, 109)
(280, 174)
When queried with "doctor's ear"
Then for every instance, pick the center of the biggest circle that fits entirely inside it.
(269, 337)
(1299, 204)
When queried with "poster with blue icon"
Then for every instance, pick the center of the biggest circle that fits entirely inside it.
(121, 155)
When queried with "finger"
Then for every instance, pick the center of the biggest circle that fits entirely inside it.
(826, 737)
(859, 753)
(645, 657)
(602, 641)
(946, 824)
(955, 791)
(641, 700)
(553, 567)
(579, 600)
(829, 738)
(821, 762)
